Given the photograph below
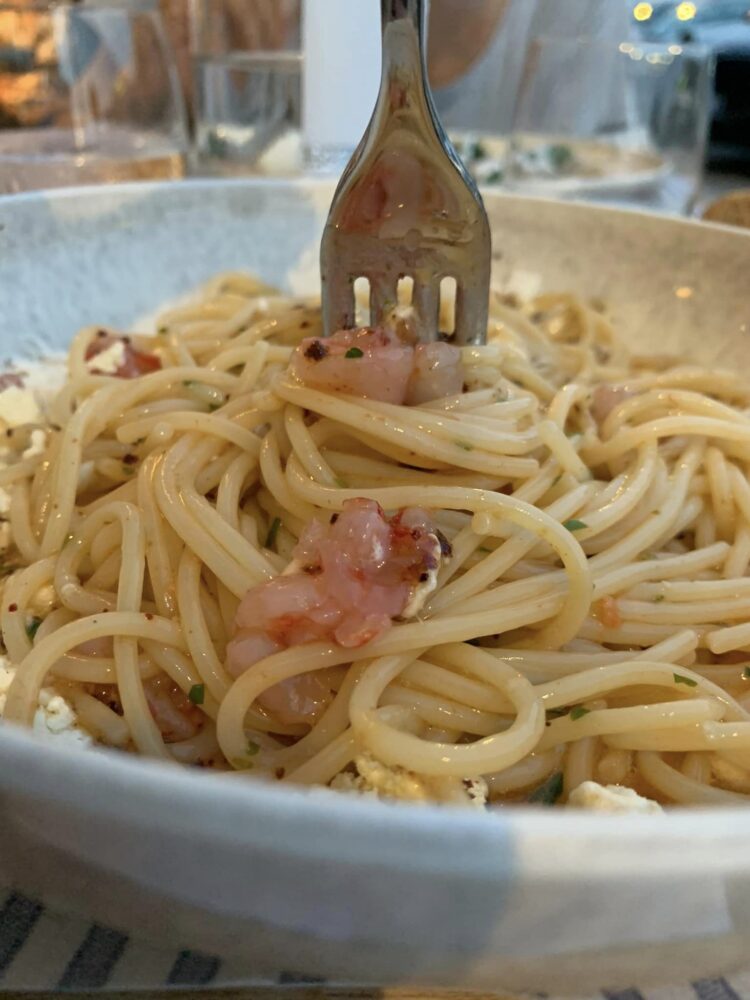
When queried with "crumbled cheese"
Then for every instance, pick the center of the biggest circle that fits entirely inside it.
(19, 406)
(54, 719)
(611, 799)
(37, 444)
(109, 360)
(375, 779)
(422, 590)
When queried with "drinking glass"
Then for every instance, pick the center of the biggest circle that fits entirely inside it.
(247, 69)
(609, 122)
(88, 93)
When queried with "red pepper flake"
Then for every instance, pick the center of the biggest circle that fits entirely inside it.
(149, 616)
(280, 772)
(130, 459)
(13, 607)
(316, 351)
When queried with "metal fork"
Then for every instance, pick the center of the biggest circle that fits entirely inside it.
(405, 205)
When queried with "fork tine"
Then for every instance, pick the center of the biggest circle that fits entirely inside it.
(472, 307)
(426, 303)
(382, 298)
(337, 300)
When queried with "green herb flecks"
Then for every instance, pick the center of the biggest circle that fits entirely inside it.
(573, 524)
(746, 673)
(560, 156)
(197, 694)
(354, 352)
(659, 598)
(549, 791)
(464, 445)
(252, 748)
(273, 532)
(32, 627)
(578, 712)
(681, 679)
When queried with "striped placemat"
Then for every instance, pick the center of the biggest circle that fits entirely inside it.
(41, 950)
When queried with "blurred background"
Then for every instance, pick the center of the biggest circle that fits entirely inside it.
(610, 100)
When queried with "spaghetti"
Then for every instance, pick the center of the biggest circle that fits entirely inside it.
(593, 622)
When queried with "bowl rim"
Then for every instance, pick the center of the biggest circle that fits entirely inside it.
(319, 183)
(135, 786)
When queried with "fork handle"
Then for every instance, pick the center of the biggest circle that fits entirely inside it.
(399, 10)
(404, 26)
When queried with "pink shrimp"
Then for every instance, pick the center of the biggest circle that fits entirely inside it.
(376, 364)
(438, 372)
(175, 715)
(134, 362)
(348, 581)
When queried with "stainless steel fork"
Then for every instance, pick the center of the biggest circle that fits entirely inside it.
(405, 205)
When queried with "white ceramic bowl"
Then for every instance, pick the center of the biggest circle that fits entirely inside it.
(309, 881)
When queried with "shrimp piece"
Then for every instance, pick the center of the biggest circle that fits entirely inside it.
(438, 372)
(348, 580)
(376, 364)
(134, 362)
(175, 715)
(369, 363)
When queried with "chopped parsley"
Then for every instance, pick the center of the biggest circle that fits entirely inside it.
(560, 156)
(32, 627)
(659, 598)
(573, 524)
(162, 330)
(549, 791)
(681, 679)
(341, 483)
(354, 352)
(197, 694)
(252, 748)
(494, 176)
(746, 673)
(273, 532)
(464, 445)
(578, 712)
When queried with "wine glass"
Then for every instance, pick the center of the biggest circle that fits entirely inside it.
(88, 93)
